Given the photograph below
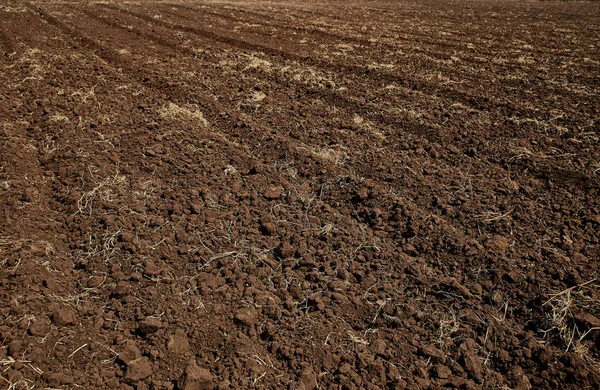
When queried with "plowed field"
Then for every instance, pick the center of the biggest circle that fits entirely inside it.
(299, 195)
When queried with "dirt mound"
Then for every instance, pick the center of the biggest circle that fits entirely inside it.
(259, 195)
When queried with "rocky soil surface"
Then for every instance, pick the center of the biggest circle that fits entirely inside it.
(299, 195)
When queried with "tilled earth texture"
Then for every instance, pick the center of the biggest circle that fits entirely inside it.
(299, 195)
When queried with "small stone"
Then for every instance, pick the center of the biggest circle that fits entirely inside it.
(498, 243)
(273, 192)
(63, 317)
(138, 369)
(195, 378)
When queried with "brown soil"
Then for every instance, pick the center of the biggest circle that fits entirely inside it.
(373, 195)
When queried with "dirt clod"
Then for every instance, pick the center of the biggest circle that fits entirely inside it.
(268, 228)
(15, 348)
(246, 317)
(308, 379)
(178, 343)
(39, 328)
(63, 317)
(472, 363)
(273, 192)
(138, 369)
(149, 326)
(59, 379)
(442, 372)
(587, 319)
(95, 281)
(129, 353)
(195, 378)
(498, 243)
(433, 353)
